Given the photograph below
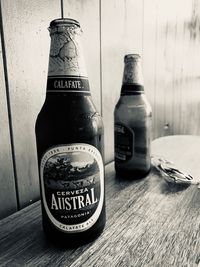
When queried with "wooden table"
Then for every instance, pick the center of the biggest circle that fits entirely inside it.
(149, 223)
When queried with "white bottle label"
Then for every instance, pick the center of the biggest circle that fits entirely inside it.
(72, 182)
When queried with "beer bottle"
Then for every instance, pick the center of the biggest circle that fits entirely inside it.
(69, 137)
(132, 123)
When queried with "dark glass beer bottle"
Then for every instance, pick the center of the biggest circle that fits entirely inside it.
(132, 123)
(69, 137)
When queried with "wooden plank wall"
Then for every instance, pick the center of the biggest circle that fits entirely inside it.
(171, 54)
(165, 33)
(119, 36)
(8, 193)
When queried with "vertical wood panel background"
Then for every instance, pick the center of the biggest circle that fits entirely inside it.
(120, 34)
(27, 44)
(165, 33)
(171, 64)
(7, 180)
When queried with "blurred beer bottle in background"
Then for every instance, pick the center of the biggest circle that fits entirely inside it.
(132, 123)
(69, 136)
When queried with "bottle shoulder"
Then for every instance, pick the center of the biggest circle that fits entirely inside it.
(131, 109)
(133, 102)
(70, 115)
(68, 105)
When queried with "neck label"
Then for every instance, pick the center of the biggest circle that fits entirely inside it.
(67, 84)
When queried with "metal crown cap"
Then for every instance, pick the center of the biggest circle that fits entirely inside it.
(134, 57)
(64, 22)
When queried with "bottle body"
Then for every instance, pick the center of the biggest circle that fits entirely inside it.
(132, 119)
(132, 136)
(69, 137)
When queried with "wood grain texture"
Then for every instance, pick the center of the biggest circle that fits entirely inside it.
(7, 180)
(150, 25)
(149, 223)
(27, 50)
(171, 65)
(121, 33)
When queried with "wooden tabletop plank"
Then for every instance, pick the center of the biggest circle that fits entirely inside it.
(149, 223)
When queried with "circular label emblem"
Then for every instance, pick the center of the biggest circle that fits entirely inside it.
(72, 182)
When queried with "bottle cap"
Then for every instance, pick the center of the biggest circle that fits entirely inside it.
(131, 57)
(64, 22)
(63, 25)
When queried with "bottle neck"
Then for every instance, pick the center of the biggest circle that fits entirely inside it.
(132, 78)
(66, 72)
